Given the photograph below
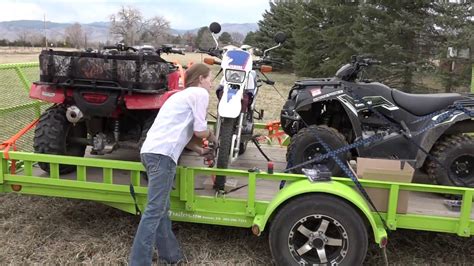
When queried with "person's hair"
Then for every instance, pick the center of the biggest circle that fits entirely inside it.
(194, 72)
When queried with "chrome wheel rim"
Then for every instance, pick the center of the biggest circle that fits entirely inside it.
(318, 239)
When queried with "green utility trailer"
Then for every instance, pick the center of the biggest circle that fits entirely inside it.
(300, 206)
(308, 222)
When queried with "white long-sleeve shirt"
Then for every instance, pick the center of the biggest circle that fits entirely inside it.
(182, 114)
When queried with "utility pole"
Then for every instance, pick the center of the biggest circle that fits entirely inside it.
(44, 31)
(85, 40)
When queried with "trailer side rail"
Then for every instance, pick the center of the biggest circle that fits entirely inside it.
(189, 207)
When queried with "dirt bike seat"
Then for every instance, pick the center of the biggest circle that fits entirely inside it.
(423, 104)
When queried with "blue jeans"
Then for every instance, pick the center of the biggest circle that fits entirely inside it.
(155, 225)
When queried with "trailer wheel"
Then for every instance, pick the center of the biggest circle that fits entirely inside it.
(318, 229)
(456, 153)
(305, 146)
(52, 136)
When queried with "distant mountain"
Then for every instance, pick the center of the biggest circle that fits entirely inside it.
(96, 31)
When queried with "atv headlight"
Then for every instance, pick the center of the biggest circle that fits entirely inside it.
(235, 76)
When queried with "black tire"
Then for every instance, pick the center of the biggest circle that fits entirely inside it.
(305, 145)
(227, 129)
(52, 135)
(343, 238)
(243, 147)
(456, 153)
(145, 127)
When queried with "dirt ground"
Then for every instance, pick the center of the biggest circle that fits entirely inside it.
(40, 230)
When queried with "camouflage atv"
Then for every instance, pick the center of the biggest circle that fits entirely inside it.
(106, 99)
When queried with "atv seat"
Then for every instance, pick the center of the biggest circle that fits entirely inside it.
(423, 104)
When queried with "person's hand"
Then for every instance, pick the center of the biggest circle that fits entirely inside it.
(212, 137)
(208, 153)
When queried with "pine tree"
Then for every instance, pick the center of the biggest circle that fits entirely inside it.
(225, 38)
(250, 39)
(323, 31)
(204, 39)
(280, 17)
(402, 35)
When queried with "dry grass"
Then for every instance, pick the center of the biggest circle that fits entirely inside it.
(40, 230)
(21, 54)
(61, 231)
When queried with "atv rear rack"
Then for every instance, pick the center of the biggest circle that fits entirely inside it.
(97, 85)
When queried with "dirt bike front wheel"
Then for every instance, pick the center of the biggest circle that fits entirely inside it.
(227, 129)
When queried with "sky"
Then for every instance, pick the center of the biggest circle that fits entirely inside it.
(182, 14)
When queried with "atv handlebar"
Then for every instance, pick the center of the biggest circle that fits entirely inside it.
(364, 61)
(168, 50)
(120, 47)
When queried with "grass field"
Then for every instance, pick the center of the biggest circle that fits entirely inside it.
(40, 230)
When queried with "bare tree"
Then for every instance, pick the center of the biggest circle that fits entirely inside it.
(127, 24)
(35, 39)
(158, 27)
(130, 25)
(23, 36)
(75, 35)
(189, 38)
(237, 37)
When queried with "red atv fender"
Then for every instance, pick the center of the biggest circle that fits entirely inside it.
(52, 94)
(47, 93)
(147, 101)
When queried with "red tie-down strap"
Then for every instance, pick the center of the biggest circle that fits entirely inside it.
(11, 142)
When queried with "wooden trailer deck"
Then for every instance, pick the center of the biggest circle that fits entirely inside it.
(418, 203)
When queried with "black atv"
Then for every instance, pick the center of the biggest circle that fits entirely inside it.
(428, 129)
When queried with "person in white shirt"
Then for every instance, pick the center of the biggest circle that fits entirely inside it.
(181, 118)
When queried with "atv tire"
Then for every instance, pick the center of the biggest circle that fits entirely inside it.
(456, 154)
(305, 146)
(145, 127)
(51, 137)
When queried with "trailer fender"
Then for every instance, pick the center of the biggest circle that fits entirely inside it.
(335, 188)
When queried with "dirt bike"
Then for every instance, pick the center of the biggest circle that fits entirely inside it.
(237, 94)
(107, 99)
(427, 129)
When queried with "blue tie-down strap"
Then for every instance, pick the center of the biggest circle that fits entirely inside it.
(442, 116)
(333, 154)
